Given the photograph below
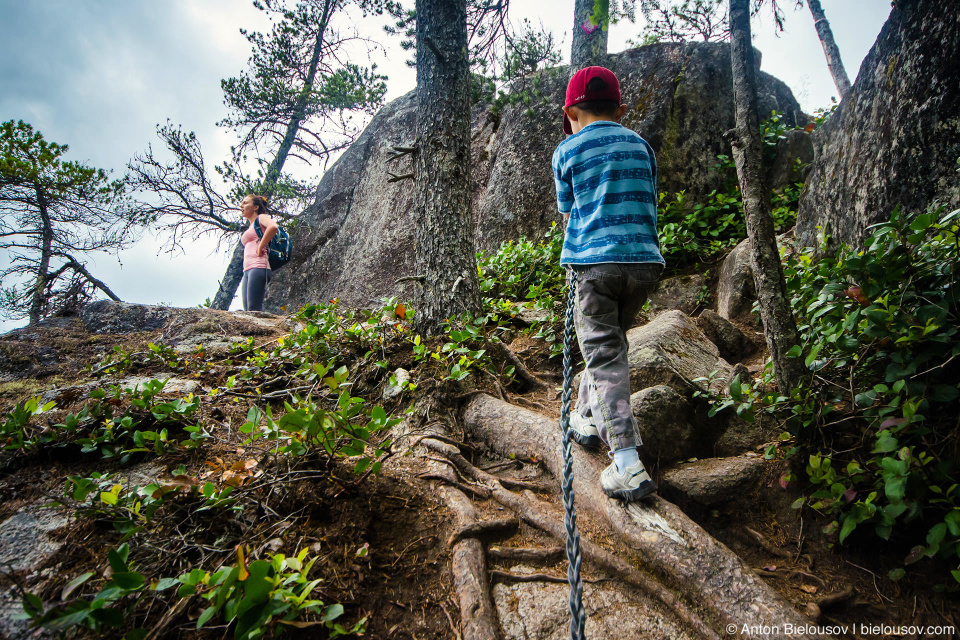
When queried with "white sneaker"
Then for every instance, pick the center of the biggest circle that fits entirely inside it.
(634, 484)
(583, 431)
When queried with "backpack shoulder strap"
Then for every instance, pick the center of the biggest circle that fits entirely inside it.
(256, 227)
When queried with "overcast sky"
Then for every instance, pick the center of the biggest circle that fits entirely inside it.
(99, 75)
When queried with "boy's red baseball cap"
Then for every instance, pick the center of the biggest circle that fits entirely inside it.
(577, 89)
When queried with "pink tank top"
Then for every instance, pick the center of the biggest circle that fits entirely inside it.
(250, 258)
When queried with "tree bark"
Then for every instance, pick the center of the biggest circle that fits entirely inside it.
(37, 303)
(830, 50)
(231, 280)
(779, 327)
(589, 40)
(445, 236)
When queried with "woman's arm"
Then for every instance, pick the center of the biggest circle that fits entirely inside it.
(269, 229)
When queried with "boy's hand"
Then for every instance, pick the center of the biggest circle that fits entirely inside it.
(566, 219)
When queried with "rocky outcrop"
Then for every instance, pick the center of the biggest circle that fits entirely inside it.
(792, 163)
(896, 138)
(670, 350)
(685, 293)
(715, 480)
(356, 239)
(731, 342)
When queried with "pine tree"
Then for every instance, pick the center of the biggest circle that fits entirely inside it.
(830, 49)
(53, 213)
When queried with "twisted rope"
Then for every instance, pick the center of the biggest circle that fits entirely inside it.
(578, 616)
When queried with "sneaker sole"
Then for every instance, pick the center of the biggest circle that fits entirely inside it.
(632, 495)
(587, 442)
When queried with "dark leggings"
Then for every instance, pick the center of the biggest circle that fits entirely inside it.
(253, 288)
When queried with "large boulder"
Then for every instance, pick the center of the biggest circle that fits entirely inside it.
(666, 425)
(895, 139)
(671, 350)
(714, 480)
(357, 238)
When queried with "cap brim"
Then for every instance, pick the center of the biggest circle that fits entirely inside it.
(567, 129)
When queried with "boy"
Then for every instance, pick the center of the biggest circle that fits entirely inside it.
(606, 178)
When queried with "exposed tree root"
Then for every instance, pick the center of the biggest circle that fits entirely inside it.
(548, 555)
(520, 369)
(506, 576)
(488, 529)
(532, 513)
(671, 544)
(768, 546)
(478, 615)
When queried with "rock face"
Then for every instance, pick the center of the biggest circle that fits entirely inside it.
(731, 342)
(356, 239)
(795, 146)
(896, 137)
(679, 292)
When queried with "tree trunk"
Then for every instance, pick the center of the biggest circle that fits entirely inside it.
(39, 297)
(779, 327)
(300, 109)
(445, 238)
(234, 273)
(830, 49)
(589, 40)
(231, 280)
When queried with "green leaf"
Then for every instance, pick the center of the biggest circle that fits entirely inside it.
(849, 524)
(896, 574)
(73, 584)
(736, 390)
(32, 605)
(332, 612)
(128, 580)
(118, 558)
(205, 617)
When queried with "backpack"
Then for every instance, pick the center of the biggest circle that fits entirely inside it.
(280, 247)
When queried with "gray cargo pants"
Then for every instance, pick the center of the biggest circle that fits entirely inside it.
(609, 297)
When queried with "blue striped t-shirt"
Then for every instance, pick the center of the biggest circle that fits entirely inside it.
(606, 179)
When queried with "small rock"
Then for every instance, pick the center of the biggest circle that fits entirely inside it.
(671, 350)
(391, 391)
